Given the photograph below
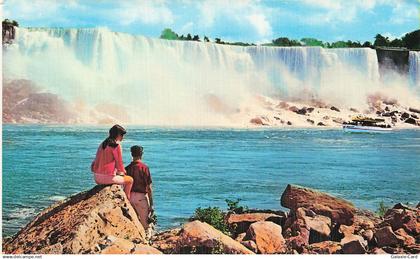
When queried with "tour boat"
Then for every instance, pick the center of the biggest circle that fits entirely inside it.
(365, 124)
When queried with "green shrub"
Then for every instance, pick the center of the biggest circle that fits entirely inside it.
(213, 216)
(233, 206)
(381, 209)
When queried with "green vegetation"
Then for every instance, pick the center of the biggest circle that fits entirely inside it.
(215, 217)
(382, 209)
(409, 41)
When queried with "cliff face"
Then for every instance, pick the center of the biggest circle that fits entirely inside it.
(89, 222)
(389, 59)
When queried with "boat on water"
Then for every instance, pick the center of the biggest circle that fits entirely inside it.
(366, 124)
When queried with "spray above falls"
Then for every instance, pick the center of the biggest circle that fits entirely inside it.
(151, 81)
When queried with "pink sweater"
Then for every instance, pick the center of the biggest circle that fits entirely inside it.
(108, 161)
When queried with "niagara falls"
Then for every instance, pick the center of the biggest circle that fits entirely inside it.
(210, 127)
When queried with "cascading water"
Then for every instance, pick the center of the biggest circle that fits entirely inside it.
(414, 68)
(153, 81)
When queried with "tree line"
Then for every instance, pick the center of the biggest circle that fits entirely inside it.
(410, 40)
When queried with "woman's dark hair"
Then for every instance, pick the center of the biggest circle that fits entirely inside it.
(113, 134)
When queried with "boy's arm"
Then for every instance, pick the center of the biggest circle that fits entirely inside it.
(150, 194)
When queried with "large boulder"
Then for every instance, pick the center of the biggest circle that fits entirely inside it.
(401, 216)
(339, 210)
(353, 244)
(197, 237)
(80, 224)
(386, 237)
(241, 222)
(267, 236)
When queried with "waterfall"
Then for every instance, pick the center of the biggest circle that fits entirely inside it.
(414, 68)
(154, 80)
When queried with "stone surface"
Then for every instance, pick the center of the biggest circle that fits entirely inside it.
(353, 244)
(325, 247)
(401, 216)
(78, 224)
(23, 103)
(407, 240)
(241, 222)
(338, 210)
(319, 228)
(145, 249)
(251, 245)
(199, 237)
(267, 236)
(386, 237)
(377, 250)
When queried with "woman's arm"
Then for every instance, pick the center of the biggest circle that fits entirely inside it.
(118, 159)
(92, 166)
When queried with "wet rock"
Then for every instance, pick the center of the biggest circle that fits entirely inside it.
(338, 120)
(199, 237)
(407, 240)
(353, 244)
(310, 121)
(325, 247)
(79, 223)
(293, 109)
(386, 237)
(411, 121)
(321, 124)
(257, 121)
(338, 210)
(241, 222)
(267, 236)
(414, 110)
(335, 109)
(405, 115)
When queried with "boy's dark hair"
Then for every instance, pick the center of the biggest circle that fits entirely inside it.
(136, 151)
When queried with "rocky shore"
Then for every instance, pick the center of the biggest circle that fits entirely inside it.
(102, 221)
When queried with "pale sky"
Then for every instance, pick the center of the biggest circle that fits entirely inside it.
(235, 20)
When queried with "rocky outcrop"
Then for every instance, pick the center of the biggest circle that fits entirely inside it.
(241, 222)
(197, 238)
(95, 221)
(338, 210)
(24, 103)
(267, 236)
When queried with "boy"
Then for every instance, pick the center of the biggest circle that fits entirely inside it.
(141, 197)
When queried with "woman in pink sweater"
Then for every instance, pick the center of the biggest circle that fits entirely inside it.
(108, 165)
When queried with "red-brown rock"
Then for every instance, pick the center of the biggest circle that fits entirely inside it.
(241, 222)
(407, 239)
(353, 244)
(80, 224)
(267, 236)
(401, 216)
(386, 237)
(200, 237)
(339, 210)
(325, 247)
(251, 245)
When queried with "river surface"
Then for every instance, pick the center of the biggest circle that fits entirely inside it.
(202, 167)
